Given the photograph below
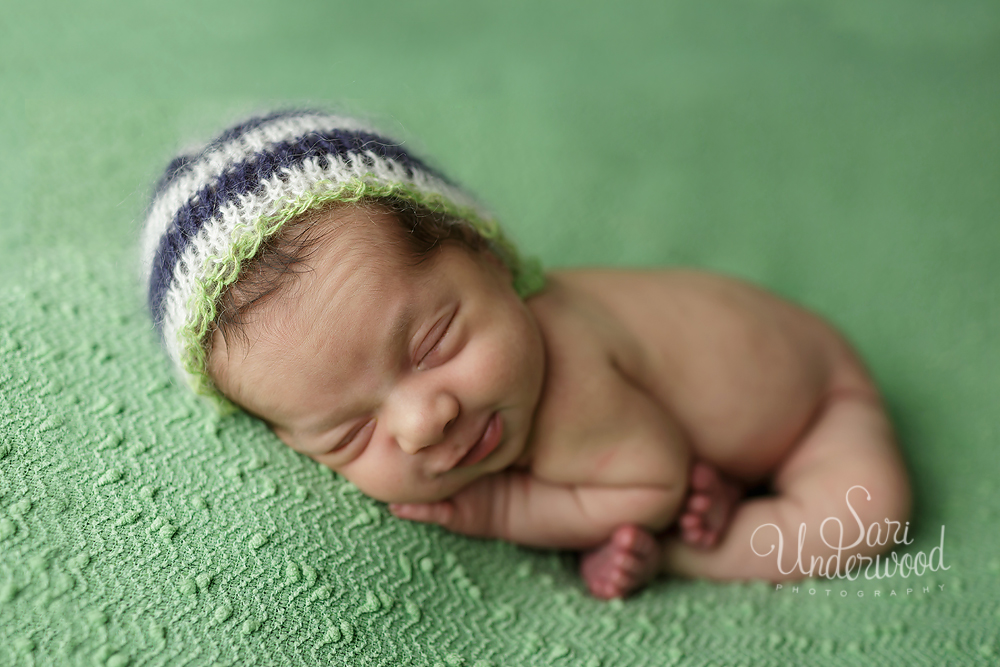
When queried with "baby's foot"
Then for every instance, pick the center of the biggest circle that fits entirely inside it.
(710, 505)
(622, 564)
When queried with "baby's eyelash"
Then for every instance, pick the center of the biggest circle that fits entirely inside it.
(437, 343)
(351, 435)
(443, 326)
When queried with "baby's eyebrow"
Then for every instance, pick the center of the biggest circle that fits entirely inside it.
(400, 327)
(395, 343)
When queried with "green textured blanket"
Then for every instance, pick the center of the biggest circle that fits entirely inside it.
(843, 154)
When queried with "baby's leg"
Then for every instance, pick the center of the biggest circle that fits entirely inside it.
(633, 556)
(849, 444)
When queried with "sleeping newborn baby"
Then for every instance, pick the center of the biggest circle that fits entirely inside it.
(315, 274)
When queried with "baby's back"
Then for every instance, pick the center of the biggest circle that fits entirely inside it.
(646, 368)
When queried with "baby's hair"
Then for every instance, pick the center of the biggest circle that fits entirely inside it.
(285, 255)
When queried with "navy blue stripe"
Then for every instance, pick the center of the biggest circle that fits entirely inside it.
(181, 164)
(253, 123)
(247, 176)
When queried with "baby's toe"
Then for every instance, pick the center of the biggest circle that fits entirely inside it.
(699, 503)
(599, 589)
(703, 476)
(693, 535)
(628, 537)
(609, 587)
(627, 566)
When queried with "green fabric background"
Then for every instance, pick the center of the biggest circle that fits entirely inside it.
(843, 154)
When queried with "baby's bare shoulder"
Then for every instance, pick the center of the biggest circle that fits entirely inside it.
(594, 424)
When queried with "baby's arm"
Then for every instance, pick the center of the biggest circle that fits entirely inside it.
(518, 507)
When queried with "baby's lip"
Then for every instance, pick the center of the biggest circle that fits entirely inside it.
(484, 445)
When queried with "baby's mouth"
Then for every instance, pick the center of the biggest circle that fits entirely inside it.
(487, 442)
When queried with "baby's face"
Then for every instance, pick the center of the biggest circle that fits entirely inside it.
(410, 381)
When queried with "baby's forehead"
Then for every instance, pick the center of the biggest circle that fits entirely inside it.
(345, 229)
(352, 267)
(332, 328)
(377, 241)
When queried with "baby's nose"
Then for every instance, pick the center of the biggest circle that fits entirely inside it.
(426, 423)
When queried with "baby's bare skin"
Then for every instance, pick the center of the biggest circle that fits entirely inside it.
(691, 362)
(639, 373)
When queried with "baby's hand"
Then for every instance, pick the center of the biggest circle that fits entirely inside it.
(440, 512)
(477, 510)
(517, 507)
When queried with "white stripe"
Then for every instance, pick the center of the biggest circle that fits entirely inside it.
(214, 239)
(210, 166)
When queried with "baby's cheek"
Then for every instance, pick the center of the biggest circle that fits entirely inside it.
(525, 357)
(381, 481)
(508, 356)
(499, 366)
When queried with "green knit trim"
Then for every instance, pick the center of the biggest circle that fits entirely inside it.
(528, 277)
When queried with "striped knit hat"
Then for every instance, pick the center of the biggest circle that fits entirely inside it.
(214, 209)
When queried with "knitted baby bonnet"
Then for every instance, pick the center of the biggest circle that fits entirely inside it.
(214, 208)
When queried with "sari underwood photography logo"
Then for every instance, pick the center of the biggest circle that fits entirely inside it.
(842, 564)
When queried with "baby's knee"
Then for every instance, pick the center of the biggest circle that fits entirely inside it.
(881, 518)
(887, 496)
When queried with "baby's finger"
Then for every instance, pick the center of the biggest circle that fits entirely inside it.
(439, 513)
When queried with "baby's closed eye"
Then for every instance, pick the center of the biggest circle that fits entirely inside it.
(358, 434)
(433, 348)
